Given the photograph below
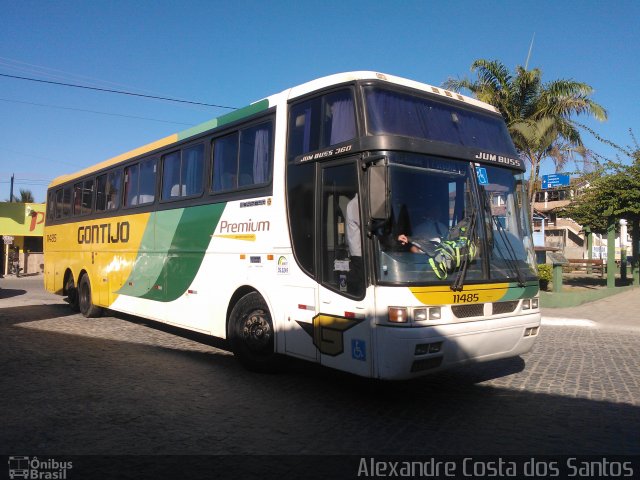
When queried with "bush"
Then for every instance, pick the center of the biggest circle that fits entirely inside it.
(545, 273)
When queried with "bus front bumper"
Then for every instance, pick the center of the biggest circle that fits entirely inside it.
(407, 352)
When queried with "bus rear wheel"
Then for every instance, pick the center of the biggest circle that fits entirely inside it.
(87, 308)
(251, 334)
(72, 293)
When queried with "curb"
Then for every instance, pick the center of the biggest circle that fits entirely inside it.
(573, 299)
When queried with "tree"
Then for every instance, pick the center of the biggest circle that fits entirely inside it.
(538, 115)
(26, 196)
(613, 194)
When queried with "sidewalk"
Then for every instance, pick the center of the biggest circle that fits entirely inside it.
(620, 311)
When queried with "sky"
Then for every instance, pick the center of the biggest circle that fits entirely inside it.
(231, 53)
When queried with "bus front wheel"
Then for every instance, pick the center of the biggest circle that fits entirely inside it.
(87, 308)
(251, 334)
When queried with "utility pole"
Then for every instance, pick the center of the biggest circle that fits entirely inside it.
(11, 190)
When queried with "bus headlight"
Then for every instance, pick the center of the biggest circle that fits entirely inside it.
(435, 313)
(420, 314)
(535, 302)
(526, 304)
(398, 315)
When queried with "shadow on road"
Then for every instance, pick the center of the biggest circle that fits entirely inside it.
(10, 292)
(30, 313)
(90, 395)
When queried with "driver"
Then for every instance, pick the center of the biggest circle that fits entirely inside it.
(429, 231)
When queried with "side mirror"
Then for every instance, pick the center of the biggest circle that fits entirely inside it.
(379, 193)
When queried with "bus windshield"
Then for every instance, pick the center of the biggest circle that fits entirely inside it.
(443, 210)
(390, 112)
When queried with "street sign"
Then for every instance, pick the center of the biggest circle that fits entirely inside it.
(7, 239)
(555, 180)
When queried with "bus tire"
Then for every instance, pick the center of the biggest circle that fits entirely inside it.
(252, 335)
(87, 308)
(72, 293)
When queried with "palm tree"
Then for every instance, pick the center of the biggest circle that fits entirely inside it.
(26, 196)
(537, 114)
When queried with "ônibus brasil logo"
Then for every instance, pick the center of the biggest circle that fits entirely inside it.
(33, 468)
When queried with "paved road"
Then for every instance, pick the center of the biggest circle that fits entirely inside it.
(119, 385)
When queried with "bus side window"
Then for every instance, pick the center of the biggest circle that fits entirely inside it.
(87, 197)
(131, 185)
(225, 163)
(339, 118)
(304, 120)
(59, 203)
(51, 205)
(77, 198)
(171, 186)
(255, 155)
(191, 169)
(147, 182)
(114, 184)
(66, 201)
(108, 188)
(321, 122)
(101, 193)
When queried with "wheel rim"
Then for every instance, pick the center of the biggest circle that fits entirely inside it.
(256, 331)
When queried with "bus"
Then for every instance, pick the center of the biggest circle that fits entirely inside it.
(366, 222)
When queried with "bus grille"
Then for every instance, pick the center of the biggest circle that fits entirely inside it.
(505, 307)
(465, 311)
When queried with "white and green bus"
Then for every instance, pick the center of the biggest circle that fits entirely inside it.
(362, 221)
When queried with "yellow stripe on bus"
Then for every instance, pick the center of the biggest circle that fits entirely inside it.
(105, 248)
(443, 295)
(115, 160)
(249, 237)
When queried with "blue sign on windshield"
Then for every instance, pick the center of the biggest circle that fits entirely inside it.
(481, 172)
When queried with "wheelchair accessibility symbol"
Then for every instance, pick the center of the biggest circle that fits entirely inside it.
(482, 176)
(359, 349)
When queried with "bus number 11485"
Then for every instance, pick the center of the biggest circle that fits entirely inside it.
(465, 298)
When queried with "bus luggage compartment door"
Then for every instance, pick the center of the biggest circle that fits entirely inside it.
(298, 323)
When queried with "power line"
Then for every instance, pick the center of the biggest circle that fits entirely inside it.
(17, 182)
(121, 92)
(92, 111)
(30, 69)
(47, 73)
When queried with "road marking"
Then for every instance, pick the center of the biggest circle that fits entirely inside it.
(568, 322)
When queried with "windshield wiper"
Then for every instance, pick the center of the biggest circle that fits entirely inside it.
(458, 283)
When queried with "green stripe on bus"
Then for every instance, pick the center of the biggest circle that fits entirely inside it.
(225, 119)
(514, 292)
(186, 252)
(154, 247)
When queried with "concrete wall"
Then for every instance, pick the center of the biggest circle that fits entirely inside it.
(31, 263)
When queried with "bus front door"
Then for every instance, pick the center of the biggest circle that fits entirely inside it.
(341, 332)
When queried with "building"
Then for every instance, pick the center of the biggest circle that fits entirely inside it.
(21, 231)
(555, 233)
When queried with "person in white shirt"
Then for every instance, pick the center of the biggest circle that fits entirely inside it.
(355, 279)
